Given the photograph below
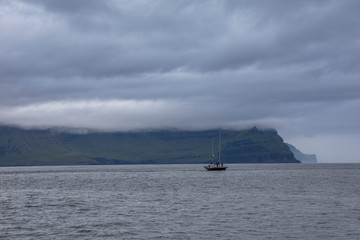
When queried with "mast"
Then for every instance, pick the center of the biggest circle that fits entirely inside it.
(212, 148)
(219, 145)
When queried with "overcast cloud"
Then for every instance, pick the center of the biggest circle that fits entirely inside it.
(124, 65)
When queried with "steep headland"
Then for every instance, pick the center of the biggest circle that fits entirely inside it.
(48, 147)
(302, 157)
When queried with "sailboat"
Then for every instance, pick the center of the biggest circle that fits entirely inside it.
(218, 166)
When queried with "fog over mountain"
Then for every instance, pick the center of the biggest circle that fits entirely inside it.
(123, 65)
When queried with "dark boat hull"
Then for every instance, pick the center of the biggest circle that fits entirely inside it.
(220, 168)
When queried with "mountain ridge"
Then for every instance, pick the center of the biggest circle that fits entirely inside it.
(51, 147)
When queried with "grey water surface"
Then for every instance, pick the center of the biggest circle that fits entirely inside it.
(247, 201)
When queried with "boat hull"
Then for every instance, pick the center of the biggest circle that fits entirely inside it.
(214, 168)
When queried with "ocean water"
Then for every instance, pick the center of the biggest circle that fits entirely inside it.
(247, 201)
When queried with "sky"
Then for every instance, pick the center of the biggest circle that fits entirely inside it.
(127, 65)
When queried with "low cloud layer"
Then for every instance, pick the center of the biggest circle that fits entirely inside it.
(124, 65)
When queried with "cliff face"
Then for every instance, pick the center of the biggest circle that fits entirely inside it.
(47, 147)
(302, 157)
(257, 146)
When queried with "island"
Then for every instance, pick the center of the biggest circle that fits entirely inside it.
(54, 146)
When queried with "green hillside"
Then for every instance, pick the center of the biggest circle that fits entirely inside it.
(49, 147)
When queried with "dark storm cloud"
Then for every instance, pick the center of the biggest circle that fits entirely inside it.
(292, 65)
(70, 6)
(98, 39)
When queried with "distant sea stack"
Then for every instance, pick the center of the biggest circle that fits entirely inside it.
(302, 157)
(20, 147)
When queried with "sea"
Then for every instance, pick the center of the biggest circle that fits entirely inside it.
(247, 201)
